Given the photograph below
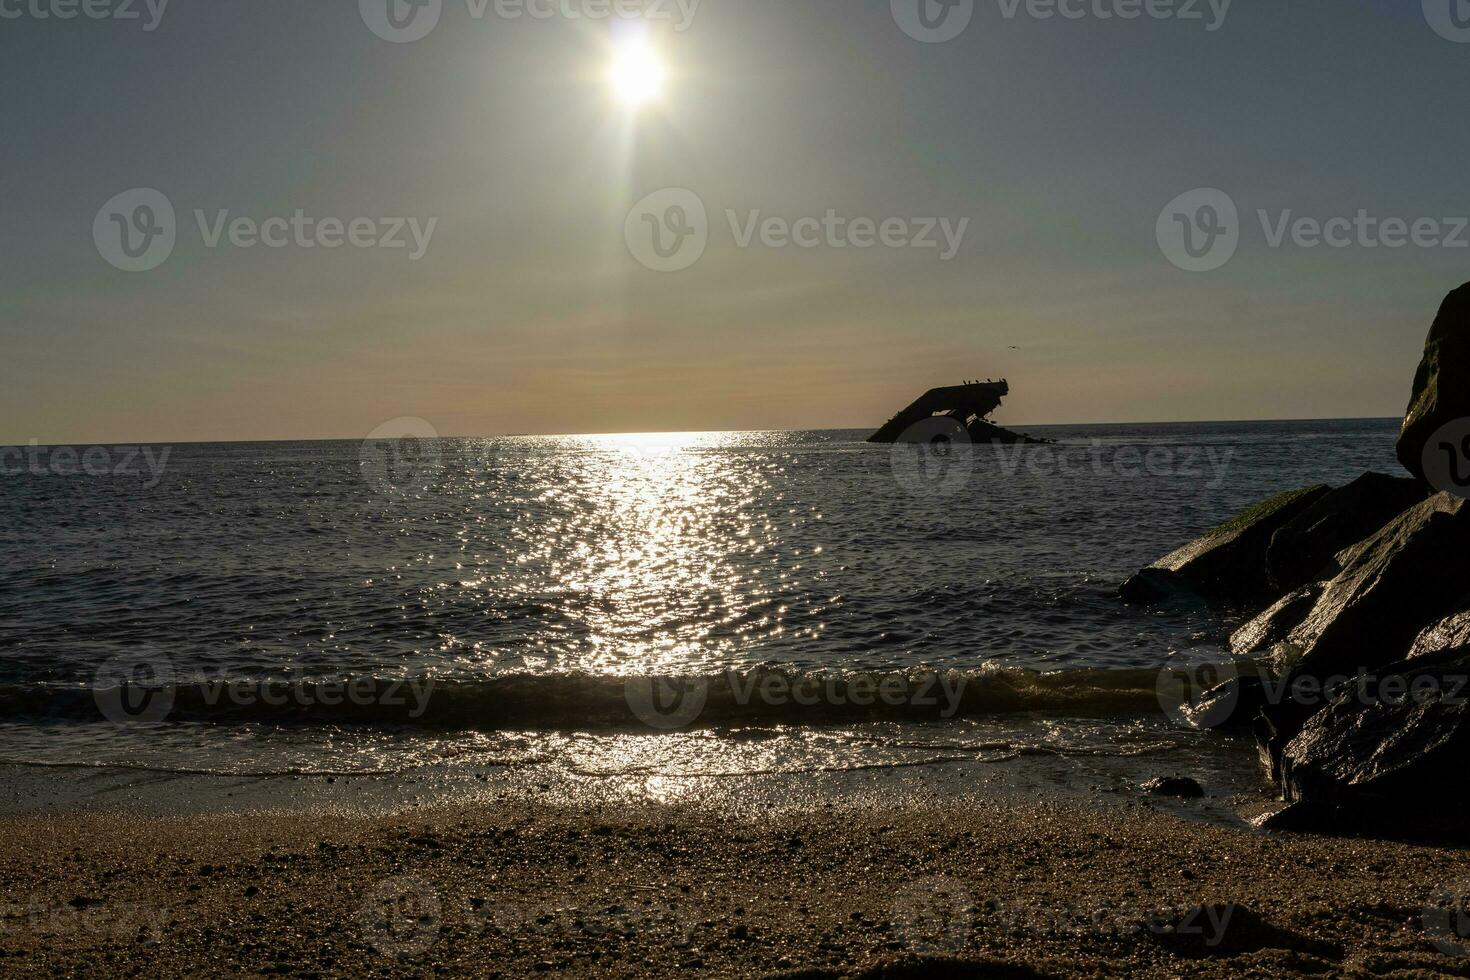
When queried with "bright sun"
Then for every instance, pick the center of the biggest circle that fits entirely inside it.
(637, 73)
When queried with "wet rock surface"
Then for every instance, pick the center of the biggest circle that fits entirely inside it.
(1228, 562)
(1409, 574)
(1374, 619)
(1156, 586)
(1303, 550)
(1389, 749)
(1276, 624)
(1447, 634)
(1181, 787)
(1441, 390)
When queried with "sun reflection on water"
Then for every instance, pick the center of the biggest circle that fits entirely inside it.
(667, 551)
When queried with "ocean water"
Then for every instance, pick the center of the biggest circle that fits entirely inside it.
(593, 606)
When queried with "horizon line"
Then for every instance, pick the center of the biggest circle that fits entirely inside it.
(666, 432)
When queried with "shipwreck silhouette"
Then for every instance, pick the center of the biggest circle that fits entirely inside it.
(946, 412)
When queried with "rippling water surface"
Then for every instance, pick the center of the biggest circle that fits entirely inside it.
(524, 581)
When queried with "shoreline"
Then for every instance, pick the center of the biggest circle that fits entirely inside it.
(654, 889)
(747, 772)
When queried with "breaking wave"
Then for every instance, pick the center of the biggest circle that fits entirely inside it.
(587, 701)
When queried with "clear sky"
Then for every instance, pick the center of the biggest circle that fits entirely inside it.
(1060, 140)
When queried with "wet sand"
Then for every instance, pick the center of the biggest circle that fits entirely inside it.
(517, 888)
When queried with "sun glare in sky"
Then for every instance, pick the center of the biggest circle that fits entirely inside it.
(637, 73)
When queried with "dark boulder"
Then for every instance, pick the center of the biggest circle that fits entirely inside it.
(1441, 392)
(1232, 705)
(1276, 624)
(1302, 551)
(1153, 586)
(1179, 786)
(1447, 634)
(1229, 562)
(1386, 753)
(1410, 573)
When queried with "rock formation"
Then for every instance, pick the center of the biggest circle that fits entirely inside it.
(1230, 561)
(1442, 384)
(1302, 551)
(1361, 707)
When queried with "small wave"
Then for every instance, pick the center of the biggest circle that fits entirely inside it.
(765, 695)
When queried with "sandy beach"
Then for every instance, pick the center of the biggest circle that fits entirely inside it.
(657, 890)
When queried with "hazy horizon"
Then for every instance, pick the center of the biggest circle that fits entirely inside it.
(674, 432)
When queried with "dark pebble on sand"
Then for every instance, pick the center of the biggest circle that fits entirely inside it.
(1178, 786)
